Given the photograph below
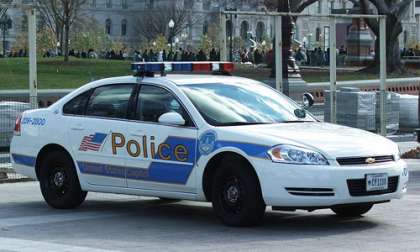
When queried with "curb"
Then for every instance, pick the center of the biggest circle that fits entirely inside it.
(10, 181)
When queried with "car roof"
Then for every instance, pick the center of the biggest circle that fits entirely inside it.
(183, 79)
(177, 79)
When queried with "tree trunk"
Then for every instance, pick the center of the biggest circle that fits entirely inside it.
(287, 59)
(393, 55)
(61, 39)
(66, 41)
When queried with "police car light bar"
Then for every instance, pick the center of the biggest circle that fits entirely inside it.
(150, 68)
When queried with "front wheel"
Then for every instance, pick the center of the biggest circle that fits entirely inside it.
(236, 195)
(59, 182)
(352, 211)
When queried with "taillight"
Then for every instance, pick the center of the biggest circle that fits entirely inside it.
(17, 125)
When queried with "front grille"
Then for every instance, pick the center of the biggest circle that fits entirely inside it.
(305, 191)
(357, 187)
(362, 160)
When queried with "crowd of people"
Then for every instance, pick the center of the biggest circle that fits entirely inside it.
(15, 53)
(176, 55)
(410, 52)
(256, 56)
(318, 56)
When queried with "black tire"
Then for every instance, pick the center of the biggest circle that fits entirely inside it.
(236, 194)
(353, 210)
(59, 183)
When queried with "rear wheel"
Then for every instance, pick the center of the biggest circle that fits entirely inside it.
(59, 183)
(236, 195)
(352, 211)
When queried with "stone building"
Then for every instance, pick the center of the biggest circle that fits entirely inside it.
(119, 19)
(313, 31)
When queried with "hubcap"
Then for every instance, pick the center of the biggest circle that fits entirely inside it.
(232, 194)
(59, 179)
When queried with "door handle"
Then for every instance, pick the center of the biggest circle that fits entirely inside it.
(77, 127)
(137, 133)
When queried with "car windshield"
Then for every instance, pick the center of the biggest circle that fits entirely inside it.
(229, 104)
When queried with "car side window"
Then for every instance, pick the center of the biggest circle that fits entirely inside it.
(155, 101)
(110, 101)
(77, 105)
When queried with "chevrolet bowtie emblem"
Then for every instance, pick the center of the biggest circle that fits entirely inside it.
(370, 160)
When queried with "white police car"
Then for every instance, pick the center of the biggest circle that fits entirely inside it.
(228, 140)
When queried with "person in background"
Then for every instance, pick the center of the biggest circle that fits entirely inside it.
(201, 56)
(160, 56)
(170, 56)
(145, 55)
(213, 54)
(164, 55)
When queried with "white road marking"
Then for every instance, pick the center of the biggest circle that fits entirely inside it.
(12, 244)
(55, 218)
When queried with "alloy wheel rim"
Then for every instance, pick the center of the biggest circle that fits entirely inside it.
(232, 195)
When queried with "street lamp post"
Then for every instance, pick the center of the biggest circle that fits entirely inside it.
(231, 33)
(5, 24)
(171, 26)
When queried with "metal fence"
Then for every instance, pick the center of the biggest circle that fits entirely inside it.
(10, 108)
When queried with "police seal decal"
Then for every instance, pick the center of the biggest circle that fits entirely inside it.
(207, 142)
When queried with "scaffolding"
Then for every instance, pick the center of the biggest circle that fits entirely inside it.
(333, 46)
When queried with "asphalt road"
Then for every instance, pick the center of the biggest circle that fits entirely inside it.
(109, 222)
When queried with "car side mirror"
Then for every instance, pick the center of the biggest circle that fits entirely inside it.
(172, 118)
(308, 100)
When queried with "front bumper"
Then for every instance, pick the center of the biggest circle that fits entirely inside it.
(285, 185)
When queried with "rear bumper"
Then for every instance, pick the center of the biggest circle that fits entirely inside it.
(304, 186)
(24, 165)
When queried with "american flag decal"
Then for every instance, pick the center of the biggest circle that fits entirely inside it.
(92, 142)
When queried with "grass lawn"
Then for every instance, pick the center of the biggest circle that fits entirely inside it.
(54, 73)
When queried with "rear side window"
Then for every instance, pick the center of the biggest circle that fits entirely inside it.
(110, 101)
(77, 105)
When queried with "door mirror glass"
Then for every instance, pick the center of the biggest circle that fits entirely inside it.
(300, 113)
(308, 100)
(172, 118)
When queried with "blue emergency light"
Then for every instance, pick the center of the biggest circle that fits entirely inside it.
(150, 68)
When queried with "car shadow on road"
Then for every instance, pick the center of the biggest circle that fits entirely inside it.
(139, 217)
(193, 216)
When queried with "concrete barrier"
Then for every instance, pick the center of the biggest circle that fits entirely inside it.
(317, 89)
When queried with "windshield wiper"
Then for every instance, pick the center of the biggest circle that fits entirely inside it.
(295, 121)
(242, 123)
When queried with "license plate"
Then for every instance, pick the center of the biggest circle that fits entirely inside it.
(376, 182)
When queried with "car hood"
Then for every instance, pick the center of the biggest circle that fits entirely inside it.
(330, 139)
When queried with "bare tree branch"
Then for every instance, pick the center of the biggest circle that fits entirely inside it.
(401, 8)
(60, 16)
(155, 22)
(381, 6)
(303, 5)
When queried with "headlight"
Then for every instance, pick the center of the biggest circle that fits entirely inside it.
(296, 155)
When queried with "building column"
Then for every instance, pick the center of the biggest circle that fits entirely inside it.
(418, 28)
